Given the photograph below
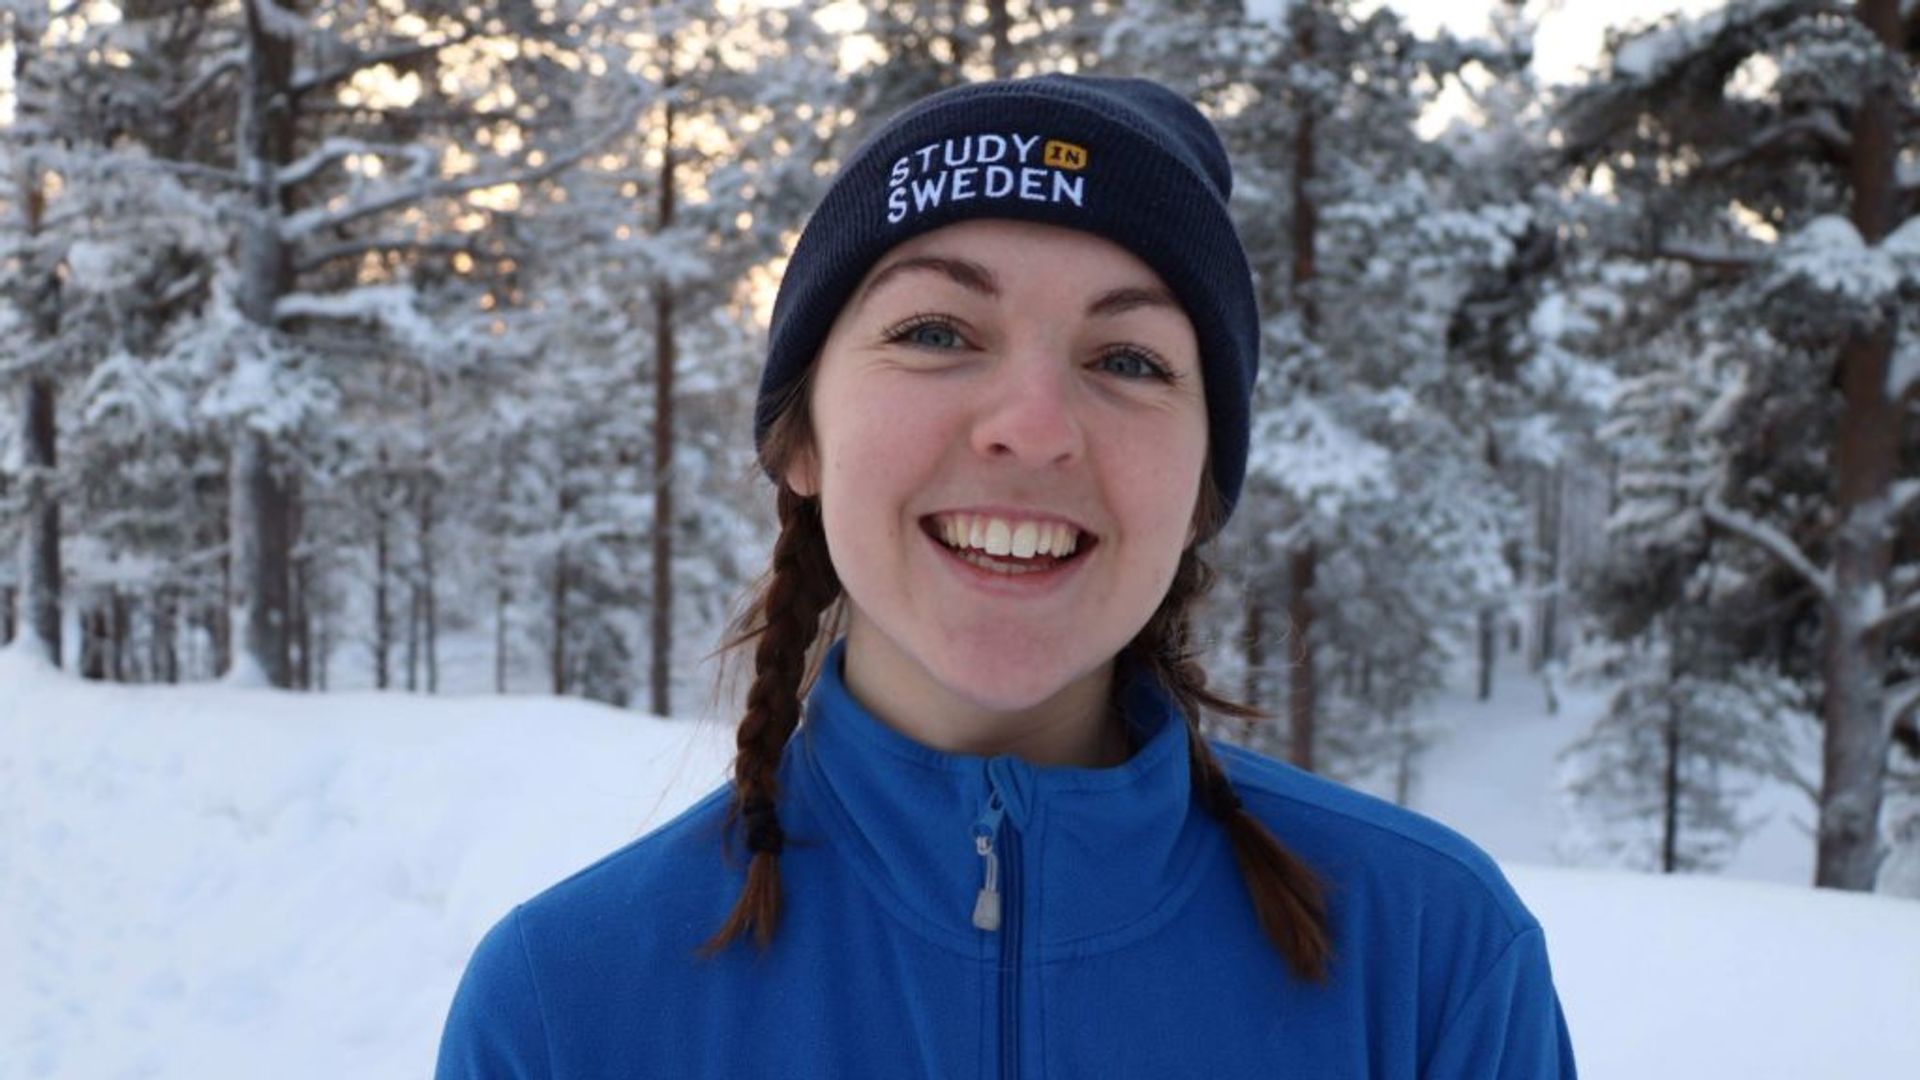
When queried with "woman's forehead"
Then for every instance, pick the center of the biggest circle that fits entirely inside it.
(989, 256)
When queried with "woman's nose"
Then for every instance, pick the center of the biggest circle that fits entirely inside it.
(1030, 415)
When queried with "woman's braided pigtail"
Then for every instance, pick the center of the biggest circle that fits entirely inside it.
(785, 617)
(1288, 897)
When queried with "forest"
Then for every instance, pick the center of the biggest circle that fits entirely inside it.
(413, 344)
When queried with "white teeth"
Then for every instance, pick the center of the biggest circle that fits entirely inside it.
(1025, 539)
(997, 536)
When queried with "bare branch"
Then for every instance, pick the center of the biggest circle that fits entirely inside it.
(1772, 541)
(1710, 258)
(1820, 125)
(184, 286)
(312, 220)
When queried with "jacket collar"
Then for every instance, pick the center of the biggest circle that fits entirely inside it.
(1102, 854)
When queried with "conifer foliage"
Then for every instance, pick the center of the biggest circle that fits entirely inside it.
(414, 345)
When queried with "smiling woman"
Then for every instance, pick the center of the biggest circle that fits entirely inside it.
(984, 832)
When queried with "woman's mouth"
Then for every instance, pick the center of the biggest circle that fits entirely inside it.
(1008, 547)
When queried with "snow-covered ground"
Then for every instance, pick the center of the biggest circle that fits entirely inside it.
(211, 882)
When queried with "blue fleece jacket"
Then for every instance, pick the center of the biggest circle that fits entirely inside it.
(1127, 945)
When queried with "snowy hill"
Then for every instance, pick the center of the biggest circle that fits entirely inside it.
(211, 882)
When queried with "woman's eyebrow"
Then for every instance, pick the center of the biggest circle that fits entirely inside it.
(968, 275)
(976, 278)
(1127, 298)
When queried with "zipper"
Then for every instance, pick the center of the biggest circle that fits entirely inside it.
(996, 909)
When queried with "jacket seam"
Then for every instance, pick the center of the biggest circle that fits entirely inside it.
(1515, 925)
(539, 1005)
(1479, 983)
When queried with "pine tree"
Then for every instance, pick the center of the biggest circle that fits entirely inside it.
(1751, 155)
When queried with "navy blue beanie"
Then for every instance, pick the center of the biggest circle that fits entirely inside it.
(1124, 159)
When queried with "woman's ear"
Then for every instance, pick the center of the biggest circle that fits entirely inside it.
(803, 473)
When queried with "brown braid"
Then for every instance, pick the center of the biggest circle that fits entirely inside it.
(792, 613)
(785, 618)
(1287, 895)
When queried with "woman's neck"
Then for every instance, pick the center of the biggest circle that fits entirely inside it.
(1076, 726)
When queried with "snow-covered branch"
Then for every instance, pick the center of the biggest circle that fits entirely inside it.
(1903, 496)
(420, 159)
(1820, 124)
(220, 66)
(1774, 542)
(317, 218)
(306, 82)
(366, 302)
(189, 169)
(1902, 699)
(1712, 258)
(441, 245)
(396, 308)
(1904, 608)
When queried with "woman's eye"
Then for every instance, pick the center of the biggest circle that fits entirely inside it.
(1136, 364)
(932, 333)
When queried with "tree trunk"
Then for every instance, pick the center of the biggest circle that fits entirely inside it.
(382, 574)
(661, 669)
(1865, 455)
(1254, 690)
(1670, 785)
(1000, 27)
(300, 608)
(562, 581)
(1300, 699)
(1489, 650)
(262, 505)
(164, 614)
(40, 539)
(413, 629)
(94, 632)
(1548, 641)
(429, 606)
(324, 649)
(119, 627)
(1301, 560)
(503, 592)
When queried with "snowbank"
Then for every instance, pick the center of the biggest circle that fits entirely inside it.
(217, 882)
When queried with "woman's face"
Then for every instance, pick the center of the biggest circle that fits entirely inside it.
(1004, 378)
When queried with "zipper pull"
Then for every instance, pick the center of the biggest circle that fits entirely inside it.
(986, 905)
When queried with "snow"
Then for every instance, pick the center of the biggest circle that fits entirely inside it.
(1647, 55)
(1830, 254)
(1696, 977)
(210, 881)
(1903, 369)
(216, 882)
(396, 307)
